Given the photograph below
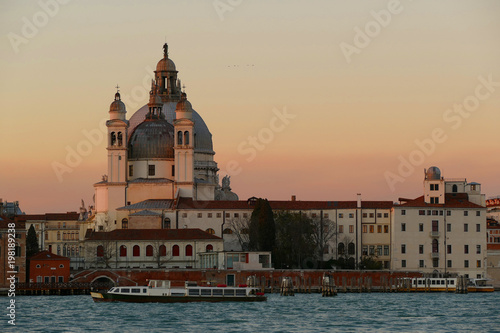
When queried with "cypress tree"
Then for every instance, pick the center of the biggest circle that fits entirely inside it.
(32, 247)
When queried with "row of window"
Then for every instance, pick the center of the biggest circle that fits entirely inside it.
(375, 250)
(435, 227)
(65, 235)
(151, 251)
(435, 248)
(49, 279)
(438, 212)
(67, 250)
(218, 215)
(372, 229)
(435, 263)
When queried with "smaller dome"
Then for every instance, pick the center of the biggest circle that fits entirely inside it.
(117, 105)
(184, 104)
(433, 173)
(165, 65)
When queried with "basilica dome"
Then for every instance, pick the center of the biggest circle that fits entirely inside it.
(153, 138)
(202, 136)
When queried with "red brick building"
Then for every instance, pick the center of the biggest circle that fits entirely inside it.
(46, 267)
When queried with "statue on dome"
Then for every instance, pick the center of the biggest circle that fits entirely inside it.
(165, 50)
(226, 181)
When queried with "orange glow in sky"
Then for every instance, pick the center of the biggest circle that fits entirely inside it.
(365, 85)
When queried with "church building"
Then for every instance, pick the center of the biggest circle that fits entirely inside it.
(163, 152)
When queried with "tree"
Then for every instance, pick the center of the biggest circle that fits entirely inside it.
(325, 231)
(295, 244)
(160, 253)
(262, 231)
(101, 250)
(241, 229)
(32, 246)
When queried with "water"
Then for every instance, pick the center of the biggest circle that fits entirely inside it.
(376, 312)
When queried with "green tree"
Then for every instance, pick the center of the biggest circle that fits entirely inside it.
(32, 247)
(295, 241)
(262, 227)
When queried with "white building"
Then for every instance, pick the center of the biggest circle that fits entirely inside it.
(442, 231)
(148, 248)
(163, 151)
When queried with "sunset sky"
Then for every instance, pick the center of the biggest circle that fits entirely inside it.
(356, 114)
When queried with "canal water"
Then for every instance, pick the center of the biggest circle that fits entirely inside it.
(367, 312)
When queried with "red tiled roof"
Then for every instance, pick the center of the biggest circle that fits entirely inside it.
(151, 234)
(188, 203)
(46, 255)
(4, 223)
(70, 216)
(453, 200)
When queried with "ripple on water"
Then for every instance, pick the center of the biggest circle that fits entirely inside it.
(374, 312)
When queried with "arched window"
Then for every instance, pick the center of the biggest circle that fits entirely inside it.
(123, 251)
(210, 231)
(454, 188)
(175, 250)
(64, 250)
(120, 138)
(163, 251)
(113, 138)
(58, 250)
(124, 224)
(189, 251)
(341, 248)
(227, 231)
(72, 251)
(209, 248)
(166, 223)
(351, 248)
(186, 137)
(435, 246)
(136, 251)
(58, 235)
(179, 138)
(100, 251)
(149, 251)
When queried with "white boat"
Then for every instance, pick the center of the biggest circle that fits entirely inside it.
(480, 285)
(161, 291)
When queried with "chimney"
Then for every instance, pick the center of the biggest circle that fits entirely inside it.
(294, 198)
(359, 201)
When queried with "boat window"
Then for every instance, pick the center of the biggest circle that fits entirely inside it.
(144, 290)
(125, 290)
(241, 292)
(112, 290)
(136, 290)
(228, 292)
(433, 281)
(194, 292)
(217, 292)
(452, 281)
(206, 292)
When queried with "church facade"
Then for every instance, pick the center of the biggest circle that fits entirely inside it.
(164, 151)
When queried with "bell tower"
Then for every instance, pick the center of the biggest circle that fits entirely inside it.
(184, 147)
(117, 141)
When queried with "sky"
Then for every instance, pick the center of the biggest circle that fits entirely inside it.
(318, 99)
